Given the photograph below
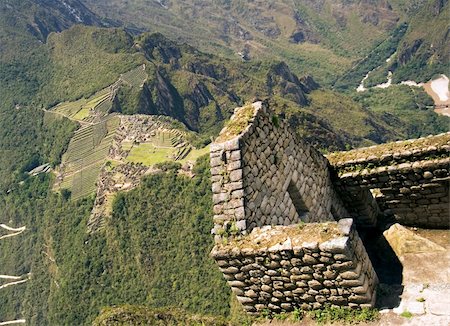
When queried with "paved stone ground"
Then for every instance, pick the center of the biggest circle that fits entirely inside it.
(426, 284)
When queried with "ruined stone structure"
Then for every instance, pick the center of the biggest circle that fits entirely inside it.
(267, 176)
(409, 179)
(284, 216)
(275, 268)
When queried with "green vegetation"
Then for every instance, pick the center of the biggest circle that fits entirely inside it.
(237, 125)
(344, 314)
(195, 153)
(424, 51)
(81, 66)
(135, 77)
(409, 109)
(153, 251)
(375, 58)
(149, 154)
(406, 314)
(85, 156)
(82, 109)
(139, 315)
(327, 315)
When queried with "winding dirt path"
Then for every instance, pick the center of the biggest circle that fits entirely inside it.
(15, 279)
(16, 231)
(11, 322)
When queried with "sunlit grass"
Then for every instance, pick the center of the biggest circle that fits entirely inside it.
(148, 154)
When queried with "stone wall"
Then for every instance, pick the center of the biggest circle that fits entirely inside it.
(409, 180)
(262, 174)
(308, 266)
(271, 190)
(277, 200)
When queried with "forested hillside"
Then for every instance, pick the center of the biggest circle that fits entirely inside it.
(155, 252)
(59, 60)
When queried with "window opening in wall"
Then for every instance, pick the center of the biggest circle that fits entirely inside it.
(299, 204)
(334, 213)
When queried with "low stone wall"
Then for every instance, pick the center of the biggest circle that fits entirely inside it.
(303, 266)
(408, 181)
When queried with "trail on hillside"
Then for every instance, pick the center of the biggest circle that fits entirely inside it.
(438, 89)
(15, 279)
(16, 231)
(11, 322)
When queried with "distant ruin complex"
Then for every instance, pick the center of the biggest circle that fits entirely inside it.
(285, 216)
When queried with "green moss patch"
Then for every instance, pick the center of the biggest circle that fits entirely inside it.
(237, 124)
(389, 148)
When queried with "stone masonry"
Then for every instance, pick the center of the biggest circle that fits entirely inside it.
(271, 192)
(274, 268)
(409, 180)
(285, 215)
(267, 176)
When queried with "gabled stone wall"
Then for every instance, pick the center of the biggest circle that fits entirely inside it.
(262, 174)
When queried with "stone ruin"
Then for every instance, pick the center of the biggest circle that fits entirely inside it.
(285, 217)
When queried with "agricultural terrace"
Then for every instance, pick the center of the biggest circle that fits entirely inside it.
(86, 110)
(96, 107)
(135, 77)
(86, 154)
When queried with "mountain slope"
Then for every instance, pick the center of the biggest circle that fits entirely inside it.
(305, 34)
(153, 250)
(417, 49)
(29, 22)
(425, 49)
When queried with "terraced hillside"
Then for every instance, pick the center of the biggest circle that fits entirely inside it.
(140, 143)
(87, 153)
(96, 107)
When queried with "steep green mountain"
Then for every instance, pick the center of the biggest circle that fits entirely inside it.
(425, 49)
(323, 37)
(153, 250)
(26, 23)
(416, 50)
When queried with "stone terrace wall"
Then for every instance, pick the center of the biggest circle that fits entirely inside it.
(275, 269)
(410, 179)
(262, 174)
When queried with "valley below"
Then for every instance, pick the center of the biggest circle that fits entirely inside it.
(107, 114)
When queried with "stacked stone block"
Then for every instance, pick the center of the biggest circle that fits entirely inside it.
(417, 193)
(297, 274)
(265, 175)
(411, 179)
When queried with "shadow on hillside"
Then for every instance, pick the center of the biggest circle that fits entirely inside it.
(387, 266)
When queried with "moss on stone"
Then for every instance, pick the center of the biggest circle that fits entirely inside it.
(297, 234)
(237, 124)
(339, 158)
